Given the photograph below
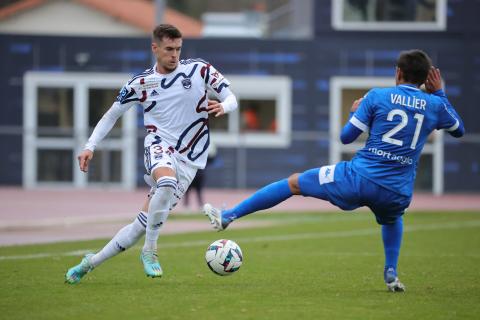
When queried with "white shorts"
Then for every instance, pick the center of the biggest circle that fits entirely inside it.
(159, 154)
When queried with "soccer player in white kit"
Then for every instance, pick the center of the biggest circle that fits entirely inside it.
(173, 95)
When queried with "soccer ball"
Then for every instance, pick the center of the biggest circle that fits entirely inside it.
(224, 257)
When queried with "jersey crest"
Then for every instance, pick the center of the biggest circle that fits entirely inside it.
(187, 83)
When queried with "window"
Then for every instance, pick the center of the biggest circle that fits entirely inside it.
(257, 115)
(99, 101)
(54, 165)
(343, 91)
(263, 118)
(60, 112)
(55, 112)
(389, 15)
(106, 167)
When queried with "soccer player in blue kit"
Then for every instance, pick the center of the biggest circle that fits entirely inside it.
(381, 175)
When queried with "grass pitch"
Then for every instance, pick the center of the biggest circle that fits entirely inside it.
(302, 266)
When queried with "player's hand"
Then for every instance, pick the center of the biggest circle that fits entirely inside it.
(84, 159)
(434, 80)
(355, 105)
(215, 107)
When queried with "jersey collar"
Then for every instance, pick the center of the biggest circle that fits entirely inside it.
(409, 86)
(163, 74)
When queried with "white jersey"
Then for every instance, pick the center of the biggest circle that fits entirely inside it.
(174, 107)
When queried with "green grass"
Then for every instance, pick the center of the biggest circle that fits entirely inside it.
(303, 266)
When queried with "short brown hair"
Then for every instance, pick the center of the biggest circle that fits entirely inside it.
(415, 65)
(166, 30)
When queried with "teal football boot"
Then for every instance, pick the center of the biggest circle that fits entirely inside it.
(151, 266)
(76, 273)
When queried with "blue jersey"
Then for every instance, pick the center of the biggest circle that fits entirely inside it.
(399, 120)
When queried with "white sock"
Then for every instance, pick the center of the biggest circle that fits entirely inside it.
(158, 210)
(124, 239)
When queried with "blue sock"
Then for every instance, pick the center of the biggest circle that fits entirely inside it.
(392, 240)
(264, 198)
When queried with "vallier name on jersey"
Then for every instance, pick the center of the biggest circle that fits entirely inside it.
(408, 101)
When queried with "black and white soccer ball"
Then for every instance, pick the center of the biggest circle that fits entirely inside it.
(224, 257)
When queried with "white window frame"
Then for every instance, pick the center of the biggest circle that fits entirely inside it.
(277, 88)
(337, 85)
(339, 24)
(80, 82)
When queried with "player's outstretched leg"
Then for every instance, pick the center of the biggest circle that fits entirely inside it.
(264, 198)
(124, 239)
(76, 273)
(392, 240)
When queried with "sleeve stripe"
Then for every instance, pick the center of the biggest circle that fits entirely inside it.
(357, 123)
(454, 127)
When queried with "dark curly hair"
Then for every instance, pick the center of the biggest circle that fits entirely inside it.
(165, 30)
(415, 65)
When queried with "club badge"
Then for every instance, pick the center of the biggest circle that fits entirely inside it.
(187, 83)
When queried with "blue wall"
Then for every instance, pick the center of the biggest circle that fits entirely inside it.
(310, 64)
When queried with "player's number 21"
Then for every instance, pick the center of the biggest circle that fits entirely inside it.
(387, 137)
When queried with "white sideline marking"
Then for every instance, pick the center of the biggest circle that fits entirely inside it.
(297, 236)
(45, 255)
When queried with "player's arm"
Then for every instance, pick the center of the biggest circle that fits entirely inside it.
(353, 128)
(449, 118)
(104, 126)
(228, 103)
(220, 87)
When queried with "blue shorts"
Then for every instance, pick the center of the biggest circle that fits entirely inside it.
(348, 190)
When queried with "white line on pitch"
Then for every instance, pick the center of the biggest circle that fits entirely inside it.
(296, 236)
